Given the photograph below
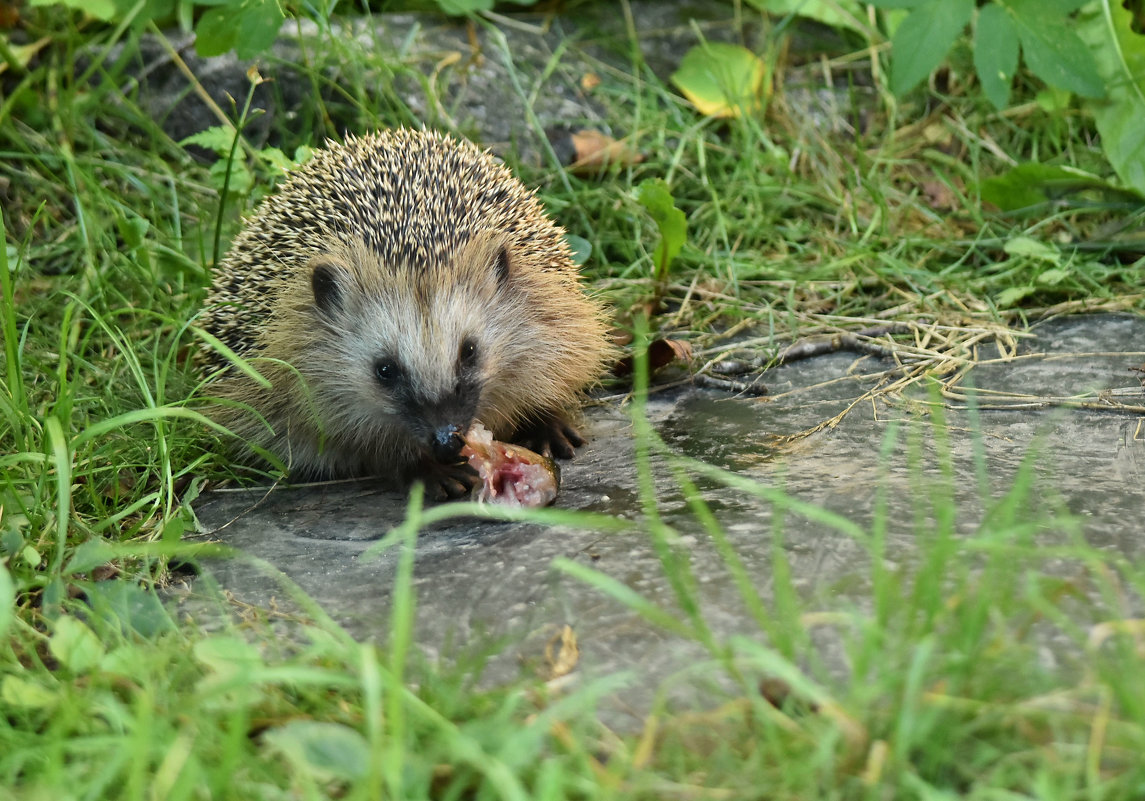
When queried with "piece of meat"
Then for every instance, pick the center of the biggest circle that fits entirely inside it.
(510, 475)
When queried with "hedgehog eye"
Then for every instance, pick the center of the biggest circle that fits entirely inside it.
(386, 371)
(467, 355)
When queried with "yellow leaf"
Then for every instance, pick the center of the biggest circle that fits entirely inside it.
(723, 80)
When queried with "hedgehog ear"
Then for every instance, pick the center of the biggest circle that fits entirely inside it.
(501, 265)
(326, 279)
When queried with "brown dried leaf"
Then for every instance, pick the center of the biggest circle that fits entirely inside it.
(661, 353)
(562, 653)
(9, 14)
(595, 151)
(940, 196)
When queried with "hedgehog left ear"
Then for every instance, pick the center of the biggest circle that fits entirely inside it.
(501, 265)
(326, 279)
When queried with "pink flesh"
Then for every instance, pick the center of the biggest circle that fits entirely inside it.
(509, 478)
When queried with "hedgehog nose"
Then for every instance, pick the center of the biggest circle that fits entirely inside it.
(447, 444)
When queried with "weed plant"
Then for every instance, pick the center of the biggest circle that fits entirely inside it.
(798, 222)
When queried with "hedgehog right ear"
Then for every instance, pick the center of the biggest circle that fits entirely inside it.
(501, 265)
(327, 277)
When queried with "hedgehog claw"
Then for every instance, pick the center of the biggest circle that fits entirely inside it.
(446, 482)
(551, 435)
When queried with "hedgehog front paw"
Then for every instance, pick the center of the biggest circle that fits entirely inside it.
(550, 434)
(447, 482)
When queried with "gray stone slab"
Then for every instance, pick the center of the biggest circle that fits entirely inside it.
(480, 581)
(510, 94)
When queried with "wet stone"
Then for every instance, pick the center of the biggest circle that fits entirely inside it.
(480, 582)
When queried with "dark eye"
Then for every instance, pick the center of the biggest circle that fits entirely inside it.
(386, 371)
(468, 353)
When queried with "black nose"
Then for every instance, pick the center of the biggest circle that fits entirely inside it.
(447, 444)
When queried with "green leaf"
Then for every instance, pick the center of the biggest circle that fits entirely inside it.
(228, 656)
(325, 751)
(1033, 249)
(923, 39)
(7, 601)
(1053, 276)
(103, 10)
(1053, 101)
(19, 693)
(217, 138)
(249, 29)
(897, 3)
(995, 53)
(1032, 184)
(653, 194)
(31, 556)
(463, 8)
(132, 607)
(580, 248)
(215, 32)
(1053, 51)
(722, 80)
(1013, 295)
(94, 552)
(847, 14)
(75, 645)
(1120, 54)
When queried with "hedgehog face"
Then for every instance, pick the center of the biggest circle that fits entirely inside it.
(409, 353)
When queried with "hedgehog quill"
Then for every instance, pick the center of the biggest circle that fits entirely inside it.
(394, 291)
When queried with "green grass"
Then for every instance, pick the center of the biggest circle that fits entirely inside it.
(109, 229)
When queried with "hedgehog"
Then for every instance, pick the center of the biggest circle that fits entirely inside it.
(396, 289)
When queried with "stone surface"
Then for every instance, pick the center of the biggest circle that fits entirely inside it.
(478, 581)
(519, 94)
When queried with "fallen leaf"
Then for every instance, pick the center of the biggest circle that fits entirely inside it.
(722, 80)
(939, 195)
(661, 353)
(23, 54)
(562, 653)
(594, 151)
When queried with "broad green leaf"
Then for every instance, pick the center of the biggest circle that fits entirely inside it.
(1053, 276)
(216, 32)
(722, 80)
(653, 194)
(104, 10)
(1013, 295)
(1033, 249)
(94, 552)
(249, 29)
(995, 53)
(31, 556)
(923, 39)
(1062, 7)
(1120, 56)
(75, 645)
(228, 656)
(1053, 51)
(19, 693)
(7, 601)
(1032, 184)
(834, 13)
(580, 248)
(1053, 100)
(132, 607)
(462, 8)
(325, 751)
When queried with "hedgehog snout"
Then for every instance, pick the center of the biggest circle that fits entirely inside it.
(446, 444)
